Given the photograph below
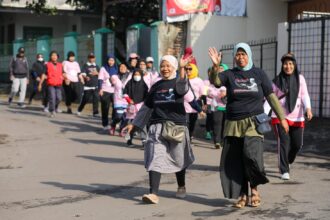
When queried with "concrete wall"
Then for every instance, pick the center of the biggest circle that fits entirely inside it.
(261, 22)
(282, 42)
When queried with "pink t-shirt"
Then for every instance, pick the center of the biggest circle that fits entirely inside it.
(303, 102)
(72, 69)
(106, 84)
(197, 85)
(119, 100)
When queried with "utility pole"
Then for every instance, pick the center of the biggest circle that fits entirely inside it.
(104, 13)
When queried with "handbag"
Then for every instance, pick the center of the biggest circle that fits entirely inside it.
(262, 123)
(173, 132)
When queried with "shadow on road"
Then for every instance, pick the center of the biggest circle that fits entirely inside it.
(133, 192)
(198, 167)
(109, 143)
(69, 126)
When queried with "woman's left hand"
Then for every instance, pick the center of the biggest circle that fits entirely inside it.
(309, 114)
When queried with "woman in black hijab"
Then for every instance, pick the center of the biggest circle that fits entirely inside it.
(136, 89)
(291, 88)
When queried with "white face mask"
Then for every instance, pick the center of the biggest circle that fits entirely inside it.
(40, 59)
(137, 78)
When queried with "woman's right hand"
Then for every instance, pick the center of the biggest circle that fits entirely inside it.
(215, 56)
(285, 125)
(39, 88)
(101, 92)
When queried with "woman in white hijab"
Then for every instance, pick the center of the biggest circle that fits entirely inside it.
(164, 109)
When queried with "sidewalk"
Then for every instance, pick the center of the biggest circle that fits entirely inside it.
(67, 168)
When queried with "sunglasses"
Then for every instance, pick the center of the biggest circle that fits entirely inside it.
(188, 69)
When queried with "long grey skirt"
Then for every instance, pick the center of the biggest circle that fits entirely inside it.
(164, 156)
(241, 163)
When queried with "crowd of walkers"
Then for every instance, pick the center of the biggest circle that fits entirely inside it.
(240, 105)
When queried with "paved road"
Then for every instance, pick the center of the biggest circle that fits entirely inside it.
(66, 168)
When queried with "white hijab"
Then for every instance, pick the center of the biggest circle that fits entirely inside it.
(173, 61)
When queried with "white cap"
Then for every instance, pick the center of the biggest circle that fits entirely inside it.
(150, 59)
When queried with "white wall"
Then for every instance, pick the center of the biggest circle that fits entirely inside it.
(282, 42)
(261, 22)
(61, 24)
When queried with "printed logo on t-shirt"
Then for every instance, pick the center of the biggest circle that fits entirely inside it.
(246, 85)
(164, 96)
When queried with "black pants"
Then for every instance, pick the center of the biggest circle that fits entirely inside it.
(72, 93)
(118, 116)
(154, 180)
(218, 124)
(44, 92)
(106, 102)
(209, 122)
(241, 163)
(192, 122)
(88, 96)
(288, 146)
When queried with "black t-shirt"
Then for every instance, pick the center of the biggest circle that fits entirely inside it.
(38, 68)
(245, 91)
(166, 103)
(89, 68)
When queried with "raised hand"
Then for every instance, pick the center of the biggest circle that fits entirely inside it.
(215, 56)
(184, 62)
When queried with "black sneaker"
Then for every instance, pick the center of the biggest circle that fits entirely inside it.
(130, 143)
(10, 100)
(69, 111)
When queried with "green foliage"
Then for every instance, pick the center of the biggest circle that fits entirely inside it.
(90, 5)
(40, 7)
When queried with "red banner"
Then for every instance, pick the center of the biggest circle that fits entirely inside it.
(181, 7)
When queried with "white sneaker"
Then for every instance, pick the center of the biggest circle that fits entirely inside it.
(46, 109)
(105, 128)
(58, 111)
(181, 193)
(78, 113)
(285, 176)
(52, 115)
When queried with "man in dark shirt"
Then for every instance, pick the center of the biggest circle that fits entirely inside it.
(38, 68)
(19, 75)
(89, 77)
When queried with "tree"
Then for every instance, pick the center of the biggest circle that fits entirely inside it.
(40, 7)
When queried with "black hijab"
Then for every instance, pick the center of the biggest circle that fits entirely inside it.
(136, 90)
(289, 84)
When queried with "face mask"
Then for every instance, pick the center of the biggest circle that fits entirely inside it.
(40, 59)
(137, 78)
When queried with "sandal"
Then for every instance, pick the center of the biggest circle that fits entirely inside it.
(241, 203)
(255, 200)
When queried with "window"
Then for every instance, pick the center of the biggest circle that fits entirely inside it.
(11, 33)
(30, 33)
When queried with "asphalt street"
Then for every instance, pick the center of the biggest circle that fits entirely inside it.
(68, 168)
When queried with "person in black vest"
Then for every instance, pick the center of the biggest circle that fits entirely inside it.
(19, 75)
(89, 78)
(39, 68)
